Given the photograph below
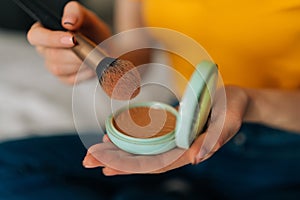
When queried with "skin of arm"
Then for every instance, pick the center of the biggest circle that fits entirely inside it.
(128, 15)
(274, 107)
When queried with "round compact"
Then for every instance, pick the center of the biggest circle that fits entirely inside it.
(150, 128)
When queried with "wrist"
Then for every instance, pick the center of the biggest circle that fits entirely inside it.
(253, 113)
(240, 102)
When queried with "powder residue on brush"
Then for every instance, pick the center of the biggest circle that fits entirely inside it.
(145, 122)
(121, 80)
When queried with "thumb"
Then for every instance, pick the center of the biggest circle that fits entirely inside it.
(73, 16)
(76, 17)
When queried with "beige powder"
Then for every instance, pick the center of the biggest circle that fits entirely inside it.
(145, 122)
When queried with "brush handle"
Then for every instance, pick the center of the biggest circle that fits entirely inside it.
(41, 12)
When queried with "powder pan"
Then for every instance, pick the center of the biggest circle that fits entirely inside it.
(145, 146)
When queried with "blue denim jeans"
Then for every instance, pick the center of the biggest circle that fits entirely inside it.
(258, 163)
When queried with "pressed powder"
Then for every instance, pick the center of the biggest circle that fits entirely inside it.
(145, 122)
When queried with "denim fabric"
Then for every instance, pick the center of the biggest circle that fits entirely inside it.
(258, 163)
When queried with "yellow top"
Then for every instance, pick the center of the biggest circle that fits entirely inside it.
(255, 43)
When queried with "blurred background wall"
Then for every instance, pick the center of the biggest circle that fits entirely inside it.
(32, 101)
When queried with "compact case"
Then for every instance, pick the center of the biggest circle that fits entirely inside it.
(194, 109)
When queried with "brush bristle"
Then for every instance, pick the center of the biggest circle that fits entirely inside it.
(121, 80)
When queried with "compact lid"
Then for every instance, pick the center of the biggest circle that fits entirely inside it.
(196, 103)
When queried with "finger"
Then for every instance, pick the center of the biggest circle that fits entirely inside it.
(62, 69)
(209, 141)
(73, 16)
(105, 138)
(114, 158)
(228, 114)
(76, 17)
(92, 158)
(61, 62)
(225, 121)
(112, 172)
(91, 162)
(195, 148)
(182, 161)
(58, 55)
(40, 36)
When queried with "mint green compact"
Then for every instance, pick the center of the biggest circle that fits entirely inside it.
(194, 109)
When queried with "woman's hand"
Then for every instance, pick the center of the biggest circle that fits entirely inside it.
(55, 46)
(225, 121)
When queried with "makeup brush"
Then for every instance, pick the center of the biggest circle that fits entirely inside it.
(118, 78)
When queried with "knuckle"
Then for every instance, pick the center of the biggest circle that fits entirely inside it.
(40, 50)
(30, 37)
(31, 32)
(54, 68)
(68, 80)
(52, 53)
(57, 70)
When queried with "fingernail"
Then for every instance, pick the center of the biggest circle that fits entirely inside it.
(91, 162)
(87, 162)
(108, 172)
(70, 20)
(88, 166)
(68, 40)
